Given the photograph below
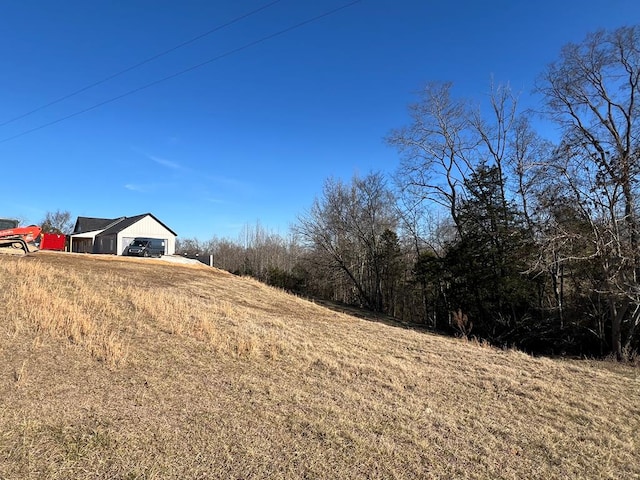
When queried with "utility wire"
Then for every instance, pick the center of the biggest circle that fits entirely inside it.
(143, 62)
(186, 70)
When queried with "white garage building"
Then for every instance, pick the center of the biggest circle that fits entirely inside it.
(113, 236)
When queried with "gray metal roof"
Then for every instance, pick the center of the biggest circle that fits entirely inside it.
(91, 224)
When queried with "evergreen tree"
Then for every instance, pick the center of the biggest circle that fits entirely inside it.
(487, 262)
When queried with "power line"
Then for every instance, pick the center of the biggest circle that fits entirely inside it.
(186, 70)
(143, 62)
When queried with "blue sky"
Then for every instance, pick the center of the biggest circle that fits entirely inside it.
(252, 136)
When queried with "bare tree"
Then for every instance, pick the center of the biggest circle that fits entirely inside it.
(435, 149)
(592, 92)
(495, 132)
(57, 222)
(346, 227)
(527, 165)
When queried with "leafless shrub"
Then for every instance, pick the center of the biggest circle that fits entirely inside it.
(461, 322)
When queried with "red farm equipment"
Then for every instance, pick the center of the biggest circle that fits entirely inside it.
(11, 235)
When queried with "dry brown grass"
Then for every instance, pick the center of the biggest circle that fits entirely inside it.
(125, 368)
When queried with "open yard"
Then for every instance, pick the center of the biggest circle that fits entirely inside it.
(126, 368)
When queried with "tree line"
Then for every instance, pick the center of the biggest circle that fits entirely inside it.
(487, 228)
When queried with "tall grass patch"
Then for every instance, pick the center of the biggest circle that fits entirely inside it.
(100, 310)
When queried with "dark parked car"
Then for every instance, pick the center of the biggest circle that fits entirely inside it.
(146, 247)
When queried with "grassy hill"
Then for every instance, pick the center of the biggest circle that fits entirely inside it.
(125, 368)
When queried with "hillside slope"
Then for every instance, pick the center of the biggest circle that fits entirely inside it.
(124, 368)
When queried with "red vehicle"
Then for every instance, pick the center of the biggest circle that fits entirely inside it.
(11, 235)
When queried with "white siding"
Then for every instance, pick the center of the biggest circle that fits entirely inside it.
(147, 227)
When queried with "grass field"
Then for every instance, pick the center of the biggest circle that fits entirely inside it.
(140, 369)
